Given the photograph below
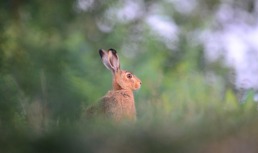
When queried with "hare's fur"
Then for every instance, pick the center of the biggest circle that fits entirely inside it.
(118, 104)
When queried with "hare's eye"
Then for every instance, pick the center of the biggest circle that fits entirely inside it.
(129, 75)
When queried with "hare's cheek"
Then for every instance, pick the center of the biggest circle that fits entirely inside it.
(132, 84)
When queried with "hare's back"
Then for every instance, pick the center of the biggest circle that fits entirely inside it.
(111, 107)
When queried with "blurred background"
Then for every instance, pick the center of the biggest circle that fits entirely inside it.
(197, 59)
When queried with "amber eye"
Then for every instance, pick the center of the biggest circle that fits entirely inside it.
(129, 75)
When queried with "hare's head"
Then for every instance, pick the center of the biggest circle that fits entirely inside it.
(121, 79)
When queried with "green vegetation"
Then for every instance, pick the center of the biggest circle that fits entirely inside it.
(50, 71)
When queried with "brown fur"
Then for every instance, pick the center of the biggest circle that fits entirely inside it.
(118, 104)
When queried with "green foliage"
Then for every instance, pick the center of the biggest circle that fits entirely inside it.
(50, 71)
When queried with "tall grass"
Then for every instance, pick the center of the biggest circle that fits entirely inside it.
(192, 116)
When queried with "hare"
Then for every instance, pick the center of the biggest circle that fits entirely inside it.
(118, 103)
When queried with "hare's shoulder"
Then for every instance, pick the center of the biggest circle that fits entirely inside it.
(118, 95)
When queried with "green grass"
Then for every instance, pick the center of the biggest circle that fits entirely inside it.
(190, 117)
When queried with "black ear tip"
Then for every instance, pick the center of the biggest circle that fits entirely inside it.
(101, 52)
(113, 50)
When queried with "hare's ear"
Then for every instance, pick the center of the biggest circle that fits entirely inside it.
(113, 60)
(105, 59)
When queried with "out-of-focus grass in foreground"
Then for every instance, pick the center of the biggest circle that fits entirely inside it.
(189, 121)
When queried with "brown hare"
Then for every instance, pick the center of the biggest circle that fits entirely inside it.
(118, 103)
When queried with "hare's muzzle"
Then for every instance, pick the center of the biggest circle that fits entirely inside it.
(137, 84)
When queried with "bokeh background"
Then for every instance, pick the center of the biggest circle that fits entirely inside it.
(197, 59)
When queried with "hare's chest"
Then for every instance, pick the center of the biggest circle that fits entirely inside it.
(127, 103)
(127, 106)
(120, 106)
